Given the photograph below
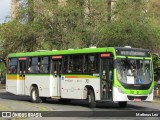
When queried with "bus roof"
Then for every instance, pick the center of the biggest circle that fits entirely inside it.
(115, 50)
(63, 52)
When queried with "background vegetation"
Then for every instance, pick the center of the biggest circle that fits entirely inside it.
(47, 24)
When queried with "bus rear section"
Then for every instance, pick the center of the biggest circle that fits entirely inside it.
(15, 79)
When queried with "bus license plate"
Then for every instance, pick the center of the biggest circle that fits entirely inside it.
(137, 99)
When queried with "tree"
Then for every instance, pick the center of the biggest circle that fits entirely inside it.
(77, 24)
(132, 25)
(48, 24)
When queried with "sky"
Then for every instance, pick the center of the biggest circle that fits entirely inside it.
(4, 10)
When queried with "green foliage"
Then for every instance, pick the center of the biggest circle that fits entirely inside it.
(133, 34)
(2, 69)
(156, 66)
(82, 23)
(17, 37)
(77, 24)
(131, 25)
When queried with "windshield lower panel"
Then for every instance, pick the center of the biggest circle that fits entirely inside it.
(134, 72)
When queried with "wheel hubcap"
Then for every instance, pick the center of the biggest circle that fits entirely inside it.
(34, 95)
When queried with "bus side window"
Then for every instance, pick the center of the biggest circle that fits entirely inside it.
(44, 66)
(92, 63)
(13, 62)
(65, 67)
(29, 65)
(70, 70)
(29, 69)
(35, 65)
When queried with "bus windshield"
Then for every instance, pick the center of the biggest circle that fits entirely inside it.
(134, 71)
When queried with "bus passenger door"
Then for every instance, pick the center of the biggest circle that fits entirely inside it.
(21, 76)
(106, 74)
(56, 70)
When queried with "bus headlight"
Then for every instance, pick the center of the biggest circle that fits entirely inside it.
(120, 90)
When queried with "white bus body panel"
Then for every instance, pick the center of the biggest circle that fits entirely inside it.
(11, 86)
(73, 88)
(15, 86)
(55, 85)
(48, 86)
(42, 81)
(117, 96)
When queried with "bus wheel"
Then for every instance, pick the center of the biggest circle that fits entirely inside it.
(35, 95)
(91, 99)
(122, 104)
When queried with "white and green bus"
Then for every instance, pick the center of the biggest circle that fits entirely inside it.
(118, 74)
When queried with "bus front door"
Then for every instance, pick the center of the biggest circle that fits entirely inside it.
(56, 67)
(106, 78)
(21, 78)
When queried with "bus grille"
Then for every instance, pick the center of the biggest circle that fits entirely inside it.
(134, 97)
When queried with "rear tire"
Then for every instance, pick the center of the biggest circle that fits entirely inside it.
(122, 104)
(91, 99)
(35, 95)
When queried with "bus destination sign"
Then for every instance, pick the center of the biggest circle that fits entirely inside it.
(133, 53)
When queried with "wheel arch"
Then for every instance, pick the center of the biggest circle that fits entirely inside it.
(86, 90)
(32, 86)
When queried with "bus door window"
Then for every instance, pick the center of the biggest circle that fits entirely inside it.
(55, 68)
(106, 78)
(103, 77)
(29, 65)
(57, 65)
(22, 66)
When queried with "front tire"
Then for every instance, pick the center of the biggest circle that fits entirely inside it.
(91, 99)
(122, 104)
(35, 95)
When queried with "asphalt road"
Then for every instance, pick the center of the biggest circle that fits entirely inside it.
(10, 102)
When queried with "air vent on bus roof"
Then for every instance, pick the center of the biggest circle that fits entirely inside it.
(127, 46)
(41, 50)
(70, 49)
(54, 50)
(92, 47)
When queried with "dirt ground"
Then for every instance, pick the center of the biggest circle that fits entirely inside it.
(2, 86)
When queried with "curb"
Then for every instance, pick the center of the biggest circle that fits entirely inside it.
(156, 100)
